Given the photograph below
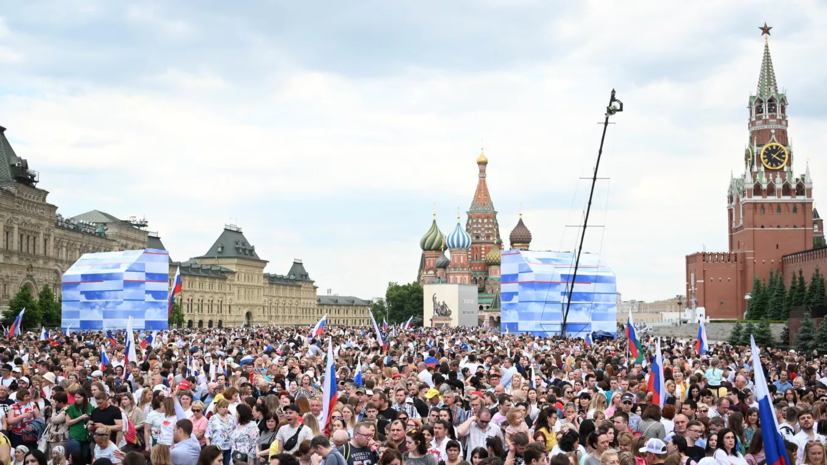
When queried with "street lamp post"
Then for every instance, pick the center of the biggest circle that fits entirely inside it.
(680, 317)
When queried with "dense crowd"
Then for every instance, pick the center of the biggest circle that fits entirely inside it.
(429, 397)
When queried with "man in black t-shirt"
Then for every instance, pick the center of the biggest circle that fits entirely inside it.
(359, 451)
(106, 414)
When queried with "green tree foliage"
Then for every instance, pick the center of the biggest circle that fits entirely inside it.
(749, 330)
(805, 340)
(791, 292)
(23, 299)
(758, 300)
(176, 316)
(763, 335)
(821, 337)
(777, 295)
(379, 311)
(49, 308)
(735, 335)
(784, 340)
(799, 298)
(815, 292)
(403, 301)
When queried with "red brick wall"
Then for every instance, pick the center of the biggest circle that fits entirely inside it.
(716, 283)
(807, 262)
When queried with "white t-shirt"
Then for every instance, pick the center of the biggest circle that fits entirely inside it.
(724, 459)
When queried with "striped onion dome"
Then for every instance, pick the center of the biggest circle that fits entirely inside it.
(459, 239)
(520, 235)
(493, 256)
(433, 240)
(442, 262)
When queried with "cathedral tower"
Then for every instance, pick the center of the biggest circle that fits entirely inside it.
(459, 242)
(481, 226)
(432, 245)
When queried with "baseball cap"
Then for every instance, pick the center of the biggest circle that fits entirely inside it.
(655, 446)
(184, 385)
(627, 397)
(431, 393)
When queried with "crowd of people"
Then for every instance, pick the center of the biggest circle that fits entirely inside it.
(447, 396)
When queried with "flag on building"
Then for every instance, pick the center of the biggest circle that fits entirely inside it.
(657, 382)
(176, 289)
(329, 390)
(702, 346)
(634, 344)
(14, 329)
(774, 451)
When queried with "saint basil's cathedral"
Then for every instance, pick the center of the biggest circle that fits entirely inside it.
(474, 250)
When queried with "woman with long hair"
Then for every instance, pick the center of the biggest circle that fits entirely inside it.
(310, 422)
(35, 457)
(597, 404)
(145, 402)
(417, 446)
(266, 438)
(736, 424)
(814, 454)
(727, 448)
(791, 396)
(478, 455)
(20, 416)
(677, 445)
(650, 425)
(211, 455)
(545, 425)
(755, 452)
(752, 423)
(78, 415)
(495, 447)
(135, 415)
(694, 392)
(391, 457)
(349, 417)
(244, 437)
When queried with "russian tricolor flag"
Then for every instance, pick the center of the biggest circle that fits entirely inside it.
(378, 333)
(408, 324)
(44, 335)
(384, 325)
(111, 338)
(329, 390)
(318, 330)
(357, 378)
(588, 340)
(176, 289)
(774, 450)
(14, 329)
(147, 341)
(634, 344)
(104, 359)
(702, 346)
(657, 382)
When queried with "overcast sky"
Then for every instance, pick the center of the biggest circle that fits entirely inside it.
(327, 130)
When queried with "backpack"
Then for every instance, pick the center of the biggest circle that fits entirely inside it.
(130, 436)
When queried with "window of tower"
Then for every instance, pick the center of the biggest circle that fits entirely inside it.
(756, 191)
(762, 209)
(759, 107)
(771, 106)
(778, 210)
(795, 209)
(786, 191)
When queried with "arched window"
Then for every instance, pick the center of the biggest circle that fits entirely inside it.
(771, 106)
(762, 209)
(759, 107)
(795, 209)
(778, 210)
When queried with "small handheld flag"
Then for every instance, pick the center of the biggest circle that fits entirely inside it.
(588, 340)
(702, 346)
(104, 359)
(379, 339)
(408, 324)
(634, 344)
(44, 335)
(147, 341)
(329, 390)
(657, 382)
(318, 330)
(176, 289)
(111, 338)
(384, 325)
(774, 449)
(357, 378)
(14, 329)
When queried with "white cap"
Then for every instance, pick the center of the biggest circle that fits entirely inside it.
(655, 446)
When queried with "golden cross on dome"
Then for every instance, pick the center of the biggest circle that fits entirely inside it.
(765, 30)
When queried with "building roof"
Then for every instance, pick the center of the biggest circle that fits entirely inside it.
(232, 244)
(341, 300)
(153, 241)
(192, 268)
(766, 79)
(482, 199)
(96, 216)
(496, 304)
(815, 214)
(298, 272)
(12, 167)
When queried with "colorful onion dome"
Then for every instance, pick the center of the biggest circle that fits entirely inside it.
(520, 235)
(482, 160)
(459, 239)
(493, 256)
(442, 262)
(433, 240)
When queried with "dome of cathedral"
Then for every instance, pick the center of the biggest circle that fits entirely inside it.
(482, 160)
(442, 262)
(459, 239)
(493, 256)
(433, 240)
(520, 235)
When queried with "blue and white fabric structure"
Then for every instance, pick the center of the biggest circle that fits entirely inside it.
(534, 291)
(102, 290)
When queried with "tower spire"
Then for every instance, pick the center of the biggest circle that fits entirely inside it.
(482, 199)
(767, 85)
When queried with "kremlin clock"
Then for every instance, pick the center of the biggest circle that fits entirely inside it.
(774, 156)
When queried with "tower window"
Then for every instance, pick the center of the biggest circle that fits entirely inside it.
(795, 209)
(762, 209)
(778, 210)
